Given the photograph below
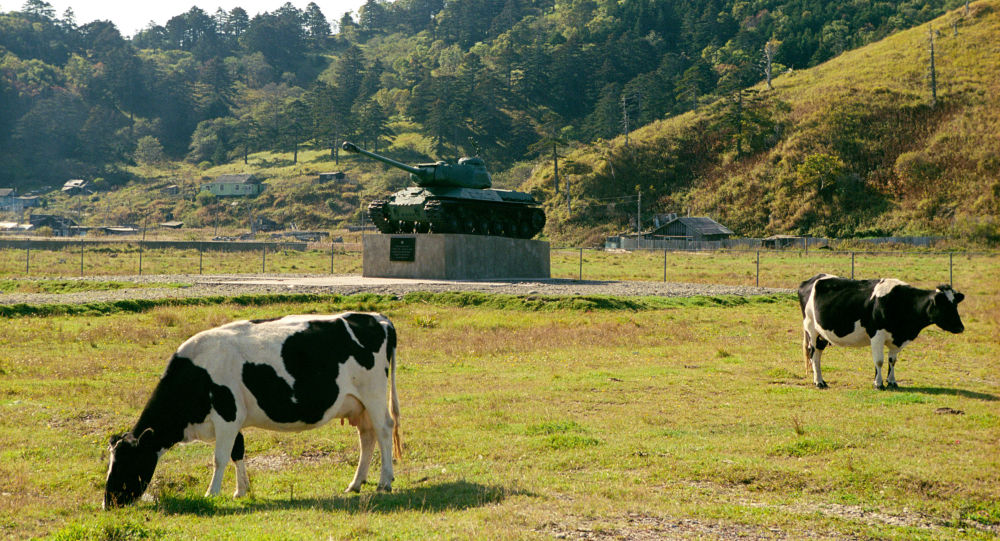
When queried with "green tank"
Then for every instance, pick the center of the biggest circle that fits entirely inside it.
(453, 198)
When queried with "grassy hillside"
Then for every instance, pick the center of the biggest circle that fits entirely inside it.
(851, 147)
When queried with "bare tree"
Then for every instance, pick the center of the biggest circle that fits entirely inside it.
(770, 49)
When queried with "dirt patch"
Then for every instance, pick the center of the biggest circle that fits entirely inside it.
(640, 527)
(242, 284)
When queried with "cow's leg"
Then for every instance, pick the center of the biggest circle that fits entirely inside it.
(225, 440)
(358, 416)
(890, 379)
(242, 480)
(878, 355)
(815, 354)
(383, 429)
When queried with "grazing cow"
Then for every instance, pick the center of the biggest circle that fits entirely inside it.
(293, 373)
(879, 313)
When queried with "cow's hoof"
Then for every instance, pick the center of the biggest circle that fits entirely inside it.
(821, 385)
(386, 489)
(892, 385)
(879, 387)
(352, 488)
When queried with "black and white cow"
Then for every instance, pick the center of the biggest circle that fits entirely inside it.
(293, 373)
(881, 313)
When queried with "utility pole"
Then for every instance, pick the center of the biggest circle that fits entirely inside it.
(555, 164)
(625, 116)
(638, 216)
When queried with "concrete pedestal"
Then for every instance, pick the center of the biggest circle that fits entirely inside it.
(454, 257)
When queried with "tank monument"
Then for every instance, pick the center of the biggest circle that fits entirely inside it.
(453, 226)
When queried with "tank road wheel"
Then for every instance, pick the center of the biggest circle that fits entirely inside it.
(447, 224)
(524, 230)
(423, 227)
(483, 226)
(496, 227)
(510, 228)
(405, 226)
(468, 225)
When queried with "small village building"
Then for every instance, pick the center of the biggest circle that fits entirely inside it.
(26, 202)
(694, 228)
(242, 185)
(173, 224)
(6, 198)
(60, 225)
(172, 189)
(77, 186)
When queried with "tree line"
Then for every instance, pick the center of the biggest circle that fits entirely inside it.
(503, 79)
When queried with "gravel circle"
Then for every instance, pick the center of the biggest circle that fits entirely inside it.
(166, 286)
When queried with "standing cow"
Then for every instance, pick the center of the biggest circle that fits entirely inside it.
(291, 374)
(879, 313)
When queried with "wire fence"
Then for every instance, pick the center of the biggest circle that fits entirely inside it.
(760, 267)
(773, 268)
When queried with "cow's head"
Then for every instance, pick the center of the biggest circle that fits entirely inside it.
(133, 461)
(943, 309)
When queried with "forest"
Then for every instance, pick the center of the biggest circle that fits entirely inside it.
(509, 80)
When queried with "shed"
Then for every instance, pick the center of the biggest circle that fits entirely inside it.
(263, 223)
(235, 185)
(61, 226)
(782, 241)
(696, 228)
(331, 176)
(77, 186)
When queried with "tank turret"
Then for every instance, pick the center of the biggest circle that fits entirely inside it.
(453, 198)
(467, 173)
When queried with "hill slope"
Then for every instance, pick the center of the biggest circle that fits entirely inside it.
(853, 146)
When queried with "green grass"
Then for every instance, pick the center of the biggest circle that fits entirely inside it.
(75, 286)
(123, 260)
(525, 421)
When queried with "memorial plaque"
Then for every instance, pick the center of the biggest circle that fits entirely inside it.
(402, 248)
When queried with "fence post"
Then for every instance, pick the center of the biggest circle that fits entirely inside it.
(27, 259)
(81, 257)
(201, 251)
(951, 280)
(263, 259)
(852, 265)
(758, 268)
(664, 264)
(331, 256)
(581, 264)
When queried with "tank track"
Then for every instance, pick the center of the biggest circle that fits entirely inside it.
(442, 216)
(376, 213)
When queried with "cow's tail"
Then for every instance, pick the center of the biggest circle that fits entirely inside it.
(397, 442)
(805, 350)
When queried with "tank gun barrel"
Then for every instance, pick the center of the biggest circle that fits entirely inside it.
(351, 147)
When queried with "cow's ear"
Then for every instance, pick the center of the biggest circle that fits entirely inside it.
(959, 297)
(115, 438)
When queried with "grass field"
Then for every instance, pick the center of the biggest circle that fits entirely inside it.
(560, 417)
(772, 269)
